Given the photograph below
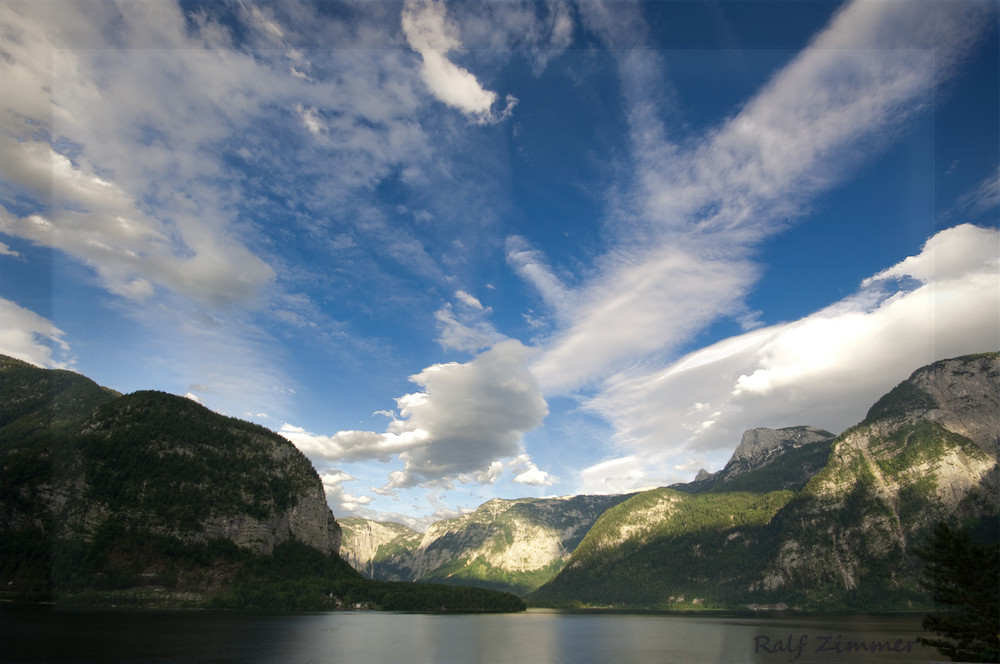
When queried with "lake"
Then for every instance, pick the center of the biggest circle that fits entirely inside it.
(40, 634)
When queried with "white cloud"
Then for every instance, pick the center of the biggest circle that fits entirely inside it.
(26, 336)
(469, 300)
(340, 501)
(948, 255)
(490, 475)
(619, 475)
(536, 31)
(139, 153)
(689, 218)
(982, 199)
(824, 370)
(647, 303)
(431, 34)
(311, 120)
(530, 265)
(529, 473)
(119, 119)
(466, 417)
(5, 250)
(467, 329)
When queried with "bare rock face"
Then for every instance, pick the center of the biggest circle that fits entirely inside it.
(515, 544)
(310, 521)
(761, 444)
(763, 447)
(928, 451)
(366, 541)
(965, 393)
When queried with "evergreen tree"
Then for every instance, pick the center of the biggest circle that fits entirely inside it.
(964, 579)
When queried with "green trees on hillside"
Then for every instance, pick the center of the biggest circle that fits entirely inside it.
(664, 549)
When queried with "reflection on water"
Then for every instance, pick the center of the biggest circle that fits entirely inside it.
(35, 634)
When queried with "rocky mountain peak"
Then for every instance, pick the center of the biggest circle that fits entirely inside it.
(965, 391)
(788, 457)
(757, 445)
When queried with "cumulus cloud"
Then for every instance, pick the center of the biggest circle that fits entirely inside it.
(823, 370)
(430, 33)
(527, 472)
(26, 336)
(340, 500)
(466, 417)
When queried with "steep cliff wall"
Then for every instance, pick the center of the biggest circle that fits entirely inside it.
(771, 458)
(365, 542)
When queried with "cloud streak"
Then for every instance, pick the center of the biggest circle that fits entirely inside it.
(824, 370)
(691, 218)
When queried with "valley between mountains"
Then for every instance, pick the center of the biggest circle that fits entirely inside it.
(149, 499)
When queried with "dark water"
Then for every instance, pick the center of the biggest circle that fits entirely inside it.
(34, 634)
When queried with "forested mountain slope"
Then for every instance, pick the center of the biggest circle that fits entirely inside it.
(927, 451)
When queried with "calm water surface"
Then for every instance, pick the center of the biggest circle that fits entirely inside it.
(34, 634)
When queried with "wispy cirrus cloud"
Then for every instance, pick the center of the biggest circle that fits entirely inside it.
(104, 161)
(70, 151)
(823, 370)
(690, 216)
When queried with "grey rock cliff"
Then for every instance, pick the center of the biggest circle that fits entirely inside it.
(512, 544)
(366, 542)
(762, 447)
(759, 445)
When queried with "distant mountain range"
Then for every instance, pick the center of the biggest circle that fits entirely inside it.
(149, 499)
(798, 518)
(514, 545)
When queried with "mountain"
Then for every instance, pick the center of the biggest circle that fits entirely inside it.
(926, 452)
(768, 458)
(152, 499)
(518, 545)
(514, 545)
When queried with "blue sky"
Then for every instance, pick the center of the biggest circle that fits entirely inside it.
(464, 250)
